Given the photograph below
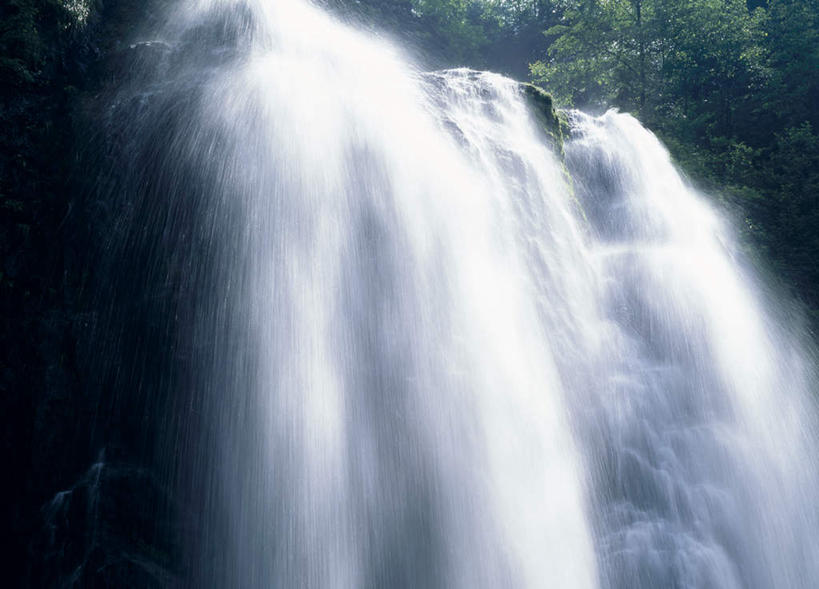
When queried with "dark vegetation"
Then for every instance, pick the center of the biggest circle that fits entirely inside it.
(79, 501)
(732, 87)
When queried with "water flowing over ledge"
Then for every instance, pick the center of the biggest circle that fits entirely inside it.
(422, 347)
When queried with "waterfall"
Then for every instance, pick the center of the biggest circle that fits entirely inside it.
(700, 428)
(422, 349)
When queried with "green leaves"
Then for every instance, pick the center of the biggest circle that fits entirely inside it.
(734, 93)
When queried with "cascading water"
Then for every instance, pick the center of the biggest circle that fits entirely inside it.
(700, 433)
(422, 354)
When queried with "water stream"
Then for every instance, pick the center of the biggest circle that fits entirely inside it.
(428, 352)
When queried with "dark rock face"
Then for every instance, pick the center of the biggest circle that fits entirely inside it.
(550, 120)
(37, 279)
(89, 495)
(105, 531)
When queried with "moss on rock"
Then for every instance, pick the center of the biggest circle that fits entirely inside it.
(555, 126)
(550, 121)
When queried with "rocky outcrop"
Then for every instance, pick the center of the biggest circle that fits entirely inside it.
(59, 413)
(105, 531)
(553, 124)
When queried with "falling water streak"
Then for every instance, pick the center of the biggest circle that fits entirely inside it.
(427, 354)
(703, 428)
(386, 410)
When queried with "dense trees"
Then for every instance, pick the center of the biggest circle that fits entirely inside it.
(732, 87)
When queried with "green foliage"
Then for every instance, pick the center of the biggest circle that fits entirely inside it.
(791, 180)
(455, 24)
(20, 44)
(791, 46)
(732, 89)
(649, 55)
(503, 35)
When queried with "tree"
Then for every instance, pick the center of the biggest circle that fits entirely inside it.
(603, 52)
(733, 88)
